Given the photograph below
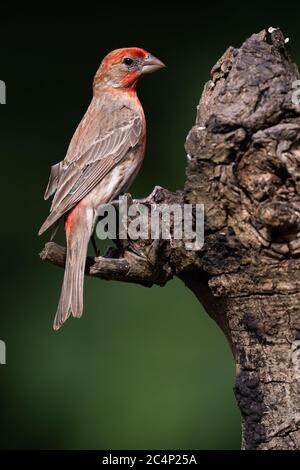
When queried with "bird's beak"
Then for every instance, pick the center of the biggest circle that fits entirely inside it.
(151, 64)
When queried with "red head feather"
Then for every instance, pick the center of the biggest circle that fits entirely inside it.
(117, 55)
(127, 79)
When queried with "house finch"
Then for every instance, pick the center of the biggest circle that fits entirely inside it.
(103, 158)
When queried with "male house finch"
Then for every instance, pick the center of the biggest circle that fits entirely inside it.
(103, 158)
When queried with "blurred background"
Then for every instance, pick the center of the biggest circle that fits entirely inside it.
(144, 368)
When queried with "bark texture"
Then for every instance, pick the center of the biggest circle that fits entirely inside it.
(244, 165)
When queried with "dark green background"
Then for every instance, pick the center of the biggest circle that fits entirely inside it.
(143, 368)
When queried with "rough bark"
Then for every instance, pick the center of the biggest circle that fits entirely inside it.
(244, 166)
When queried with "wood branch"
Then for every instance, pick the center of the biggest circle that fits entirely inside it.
(244, 166)
(144, 262)
(129, 268)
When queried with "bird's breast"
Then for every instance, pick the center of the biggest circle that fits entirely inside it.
(118, 180)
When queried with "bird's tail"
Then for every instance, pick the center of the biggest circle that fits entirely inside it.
(71, 298)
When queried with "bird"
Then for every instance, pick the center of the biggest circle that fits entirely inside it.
(104, 156)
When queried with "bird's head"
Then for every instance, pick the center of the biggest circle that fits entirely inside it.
(122, 68)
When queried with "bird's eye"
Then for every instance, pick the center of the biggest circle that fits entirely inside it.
(128, 61)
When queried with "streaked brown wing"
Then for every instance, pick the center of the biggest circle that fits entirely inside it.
(84, 171)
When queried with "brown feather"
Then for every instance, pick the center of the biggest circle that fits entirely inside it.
(110, 129)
